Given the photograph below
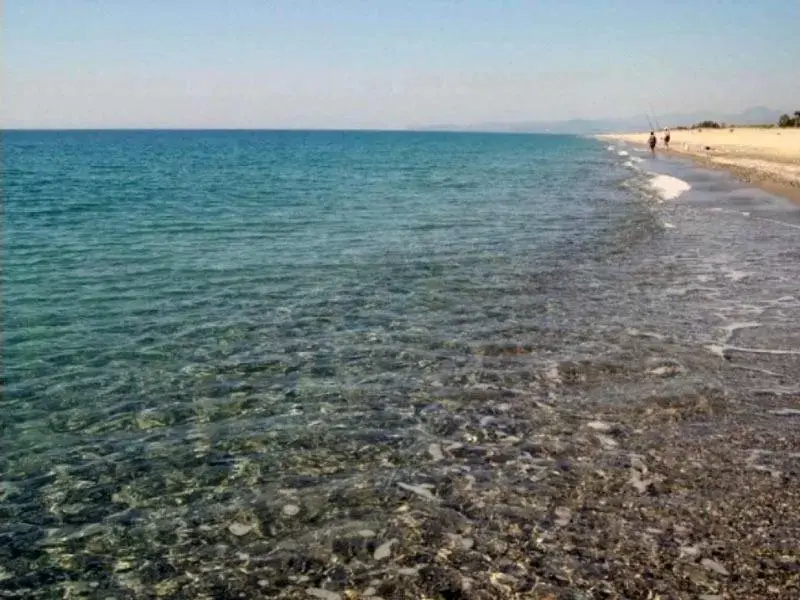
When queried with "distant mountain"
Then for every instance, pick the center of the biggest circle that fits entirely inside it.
(758, 115)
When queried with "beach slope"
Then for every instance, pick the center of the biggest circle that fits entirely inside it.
(769, 157)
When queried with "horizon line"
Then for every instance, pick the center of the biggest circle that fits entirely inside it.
(417, 129)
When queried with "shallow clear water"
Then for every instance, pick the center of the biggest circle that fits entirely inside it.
(196, 324)
(142, 267)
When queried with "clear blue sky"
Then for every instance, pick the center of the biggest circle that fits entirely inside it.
(386, 64)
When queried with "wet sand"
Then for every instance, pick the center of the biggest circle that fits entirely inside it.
(766, 158)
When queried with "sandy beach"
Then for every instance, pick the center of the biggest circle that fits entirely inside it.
(768, 158)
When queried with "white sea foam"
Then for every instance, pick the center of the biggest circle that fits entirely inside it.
(633, 161)
(669, 187)
(668, 225)
(732, 328)
(735, 275)
(610, 148)
(623, 153)
(775, 351)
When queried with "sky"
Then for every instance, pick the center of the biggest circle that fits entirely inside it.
(385, 64)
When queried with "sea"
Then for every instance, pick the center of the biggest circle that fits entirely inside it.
(224, 345)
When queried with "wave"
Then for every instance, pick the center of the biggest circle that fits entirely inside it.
(669, 187)
(623, 153)
(633, 162)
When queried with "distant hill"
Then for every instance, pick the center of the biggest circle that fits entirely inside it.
(758, 115)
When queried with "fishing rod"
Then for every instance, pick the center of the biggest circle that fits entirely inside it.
(655, 118)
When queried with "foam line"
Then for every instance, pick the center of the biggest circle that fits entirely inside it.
(669, 187)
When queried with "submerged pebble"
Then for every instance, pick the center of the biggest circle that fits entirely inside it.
(240, 529)
(600, 426)
(460, 541)
(435, 450)
(606, 441)
(563, 515)
(713, 565)
(786, 412)
(420, 490)
(384, 550)
(322, 594)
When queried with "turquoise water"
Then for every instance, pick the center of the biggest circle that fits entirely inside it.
(133, 259)
(209, 335)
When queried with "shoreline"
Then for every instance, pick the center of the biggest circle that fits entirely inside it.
(764, 158)
(523, 402)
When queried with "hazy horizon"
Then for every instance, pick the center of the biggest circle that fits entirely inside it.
(198, 65)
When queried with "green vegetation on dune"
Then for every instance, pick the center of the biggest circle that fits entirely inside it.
(787, 121)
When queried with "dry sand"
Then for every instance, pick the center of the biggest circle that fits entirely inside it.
(769, 158)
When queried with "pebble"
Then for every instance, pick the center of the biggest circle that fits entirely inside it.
(564, 515)
(713, 565)
(600, 426)
(637, 482)
(709, 597)
(484, 387)
(638, 464)
(786, 412)
(435, 450)
(323, 594)
(552, 374)
(606, 441)
(384, 550)
(665, 370)
(290, 510)
(465, 543)
(419, 490)
(240, 529)
(690, 551)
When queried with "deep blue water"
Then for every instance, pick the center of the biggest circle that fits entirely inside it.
(194, 321)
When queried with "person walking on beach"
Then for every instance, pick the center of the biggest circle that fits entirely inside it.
(666, 137)
(652, 143)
